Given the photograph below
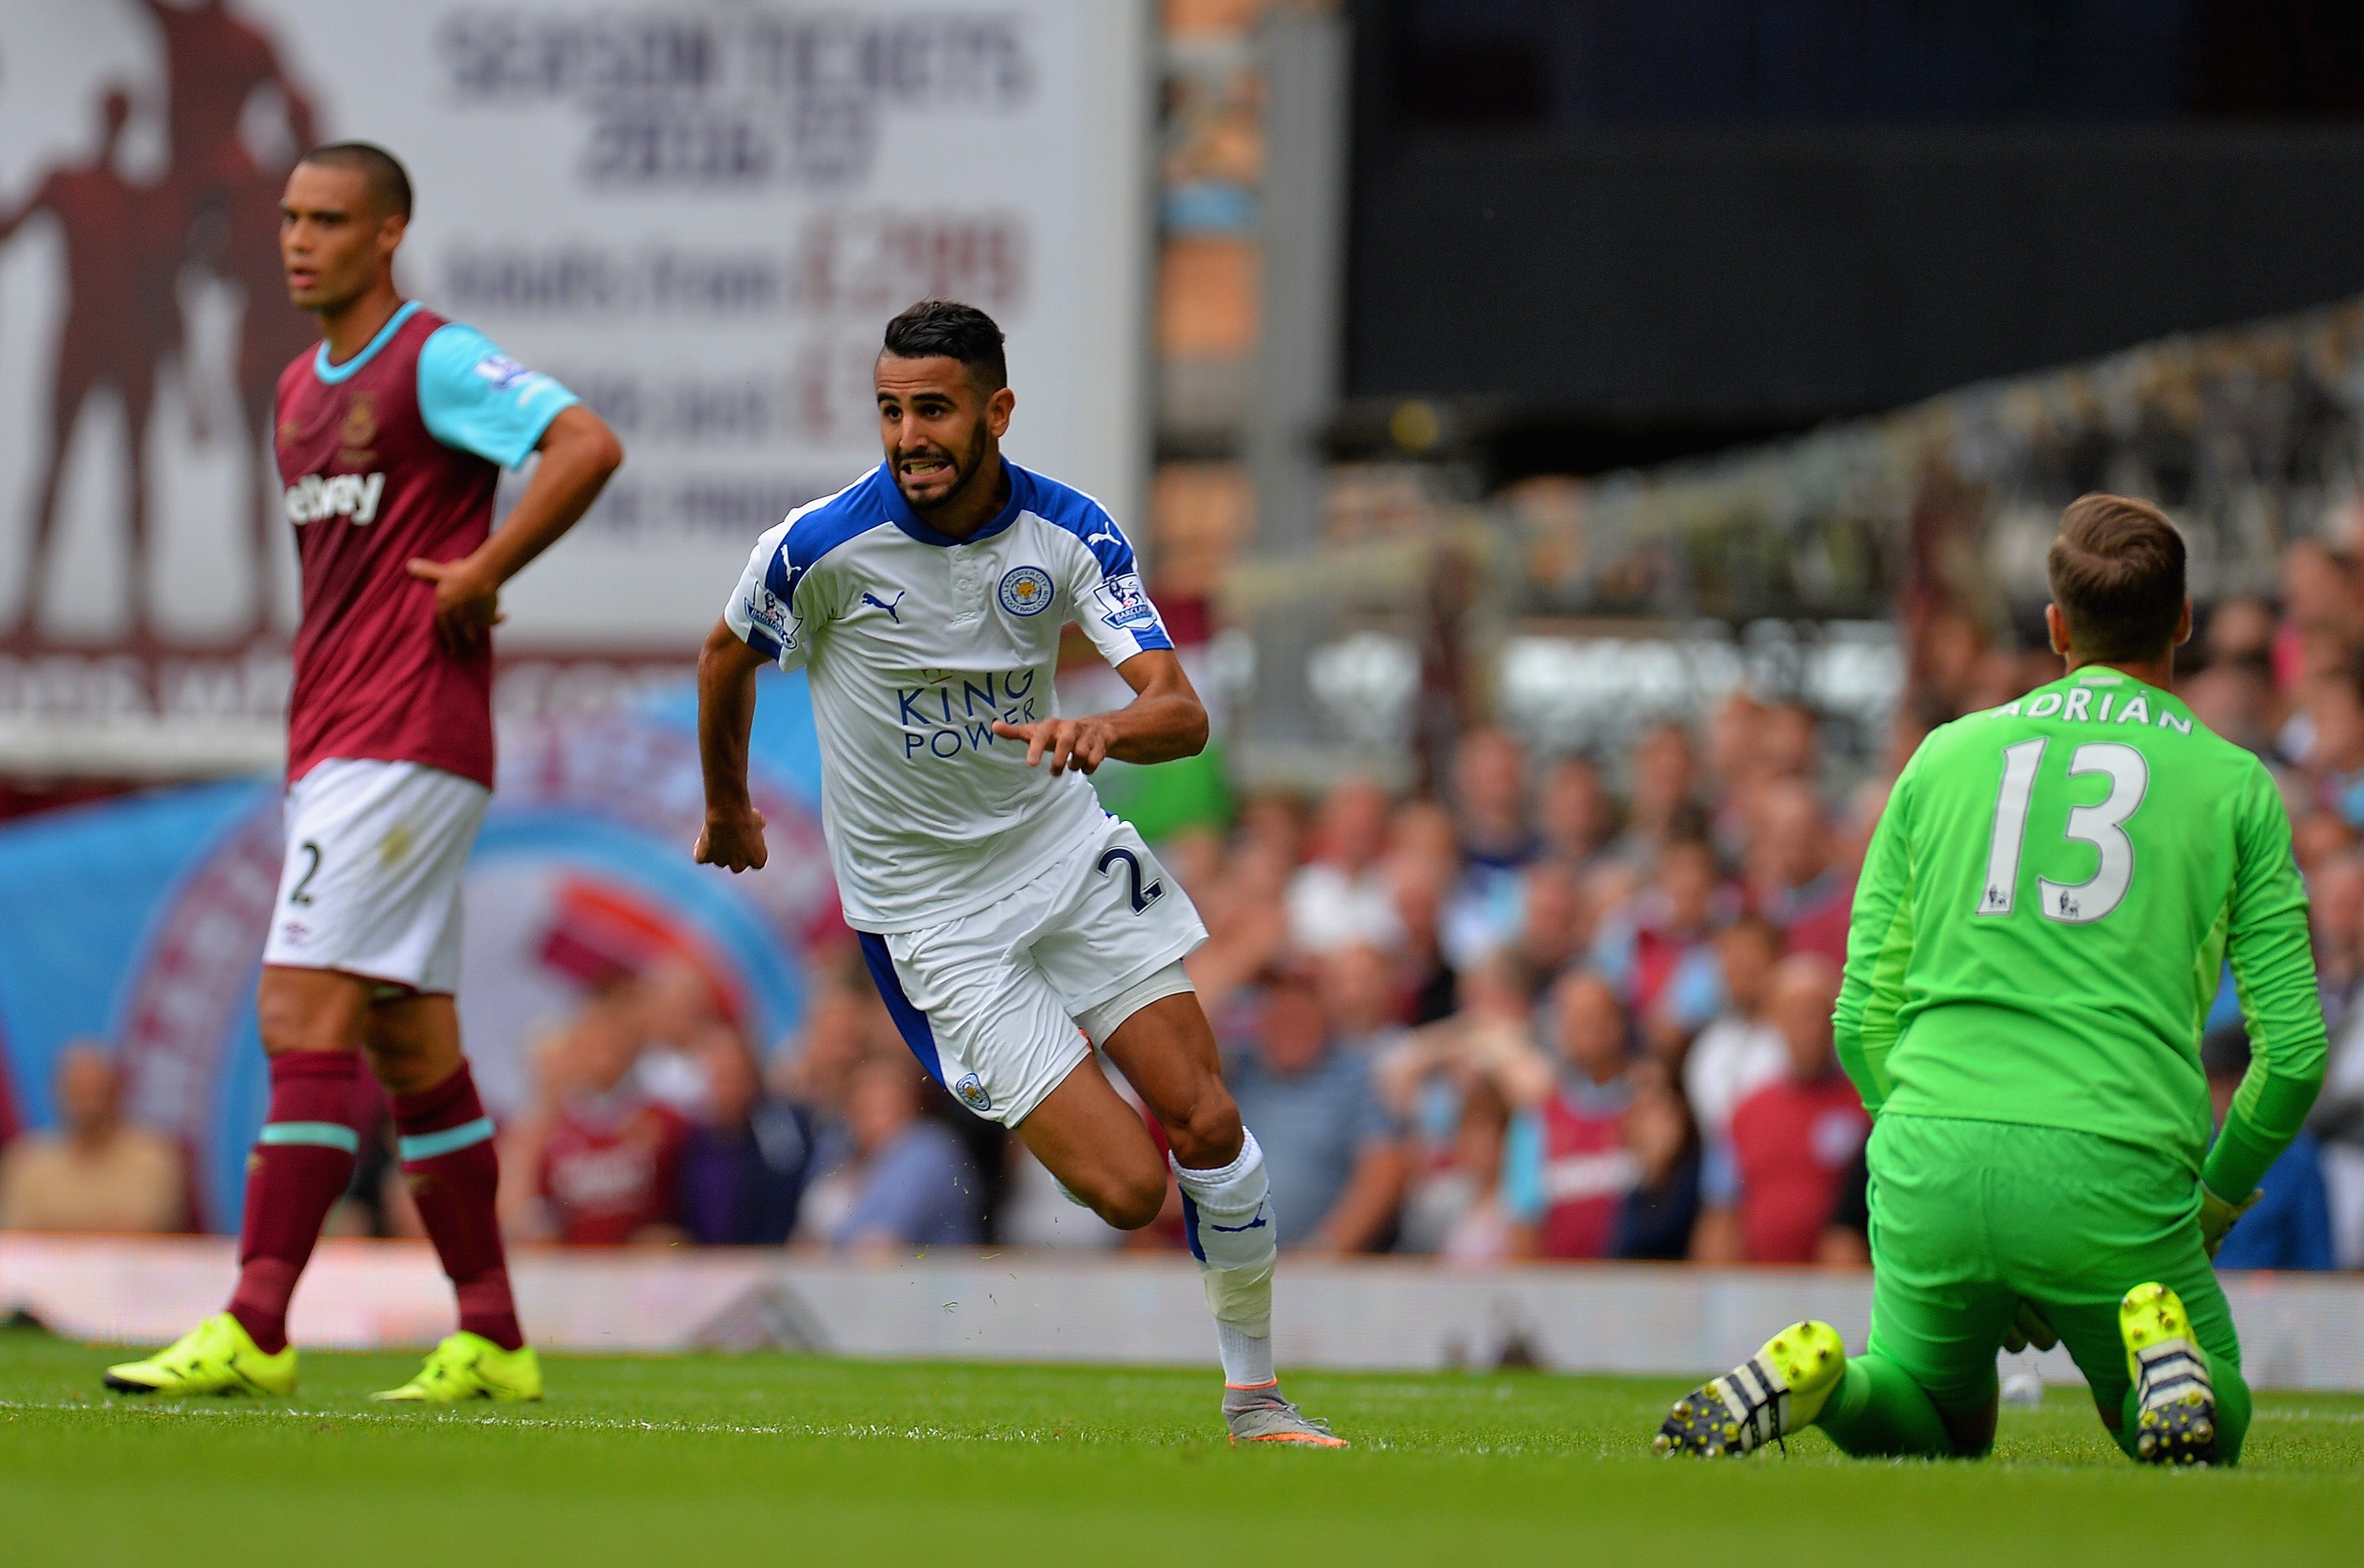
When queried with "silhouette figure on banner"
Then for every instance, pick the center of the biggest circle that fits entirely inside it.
(122, 244)
(215, 207)
(214, 64)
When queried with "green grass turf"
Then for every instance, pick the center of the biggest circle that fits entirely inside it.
(650, 1460)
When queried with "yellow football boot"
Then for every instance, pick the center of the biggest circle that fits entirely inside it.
(2175, 1421)
(1774, 1392)
(215, 1357)
(469, 1366)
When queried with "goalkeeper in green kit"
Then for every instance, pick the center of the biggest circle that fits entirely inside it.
(2044, 913)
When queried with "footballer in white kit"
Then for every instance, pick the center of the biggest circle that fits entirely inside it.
(1010, 922)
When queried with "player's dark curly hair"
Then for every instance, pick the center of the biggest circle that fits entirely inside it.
(382, 172)
(955, 330)
(2117, 572)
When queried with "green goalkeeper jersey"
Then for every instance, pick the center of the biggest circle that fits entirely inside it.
(2043, 915)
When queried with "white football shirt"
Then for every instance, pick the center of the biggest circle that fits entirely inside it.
(914, 644)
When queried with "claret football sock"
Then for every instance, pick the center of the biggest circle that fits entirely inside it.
(301, 1163)
(1228, 1214)
(454, 1174)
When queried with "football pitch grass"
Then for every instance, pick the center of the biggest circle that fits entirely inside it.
(655, 1460)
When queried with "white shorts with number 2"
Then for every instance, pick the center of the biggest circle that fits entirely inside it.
(371, 885)
(989, 1003)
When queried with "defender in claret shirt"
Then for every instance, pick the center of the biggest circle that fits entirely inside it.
(1007, 918)
(390, 439)
(2047, 905)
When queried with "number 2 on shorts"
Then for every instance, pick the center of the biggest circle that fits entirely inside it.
(2102, 826)
(1142, 897)
(296, 894)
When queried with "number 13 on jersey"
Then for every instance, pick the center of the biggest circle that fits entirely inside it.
(2102, 826)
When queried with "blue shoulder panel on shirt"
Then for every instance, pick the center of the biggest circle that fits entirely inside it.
(1069, 509)
(331, 374)
(851, 513)
(477, 399)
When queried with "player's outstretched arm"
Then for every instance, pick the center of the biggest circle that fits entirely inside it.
(578, 455)
(733, 834)
(1879, 945)
(2273, 969)
(1164, 720)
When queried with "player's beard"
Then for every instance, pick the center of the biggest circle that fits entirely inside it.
(967, 463)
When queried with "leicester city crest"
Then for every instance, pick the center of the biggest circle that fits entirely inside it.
(1026, 591)
(972, 1095)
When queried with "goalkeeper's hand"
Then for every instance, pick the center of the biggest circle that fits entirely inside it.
(2028, 1327)
(2216, 1216)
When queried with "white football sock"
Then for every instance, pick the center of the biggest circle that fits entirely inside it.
(1248, 1358)
(1236, 1239)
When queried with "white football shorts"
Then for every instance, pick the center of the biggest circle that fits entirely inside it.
(372, 881)
(997, 1004)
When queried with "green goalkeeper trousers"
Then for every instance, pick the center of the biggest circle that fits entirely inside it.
(1969, 1217)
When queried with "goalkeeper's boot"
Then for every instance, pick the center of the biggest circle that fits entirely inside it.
(1262, 1416)
(2175, 1404)
(218, 1356)
(1774, 1392)
(469, 1366)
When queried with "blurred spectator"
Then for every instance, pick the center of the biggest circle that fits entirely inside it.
(1336, 1159)
(1343, 896)
(674, 1003)
(1246, 918)
(1425, 1077)
(1358, 989)
(1790, 742)
(1862, 821)
(2235, 697)
(554, 1065)
(1657, 950)
(2336, 892)
(1568, 1169)
(905, 1181)
(2240, 628)
(2318, 610)
(1457, 1212)
(744, 1164)
(843, 1019)
(1555, 920)
(2338, 1122)
(1666, 777)
(2290, 1226)
(95, 1171)
(1661, 1210)
(1794, 873)
(610, 1159)
(1734, 769)
(1791, 1141)
(1575, 813)
(1739, 1051)
(1490, 800)
(1274, 826)
(2336, 748)
(1423, 865)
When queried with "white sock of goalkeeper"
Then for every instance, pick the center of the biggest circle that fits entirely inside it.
(1228, 1216)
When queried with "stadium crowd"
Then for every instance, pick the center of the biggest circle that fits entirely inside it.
(1576, 1007)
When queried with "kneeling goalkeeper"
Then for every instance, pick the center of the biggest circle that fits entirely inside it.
(2042, 920)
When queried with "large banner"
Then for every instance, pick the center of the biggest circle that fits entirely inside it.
(139, 923)
(698, 215)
